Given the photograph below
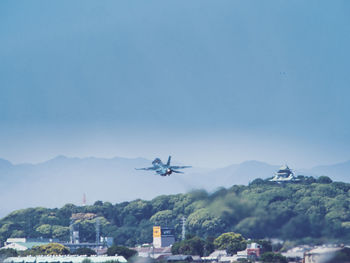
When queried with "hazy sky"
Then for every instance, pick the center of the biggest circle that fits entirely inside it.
(210, 82)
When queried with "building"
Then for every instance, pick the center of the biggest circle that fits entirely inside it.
(163, 236)
(215, 256)
(296, 254)
(15, 240)
(253, 250)
(22, 244)
(65, 259)
(284, 174)
(101, 243)
(105, 242)
(179, 258)
(320, 254)
(156, 253)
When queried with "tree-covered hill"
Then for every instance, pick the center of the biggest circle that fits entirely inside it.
(311, 210)
(72, 176)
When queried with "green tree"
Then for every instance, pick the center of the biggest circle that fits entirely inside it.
(342, 256)
(309, 209)
(98, 203)
(162, 217)
(203, 222)
(324, 180)
(121, 251)
(44, 230)
(231, 242)
(60, 232)
(266, 245)
(209, 246)
(49, 249)
(192, 246)
(18, 233)
(270, 257)
(139, 209)
(7, 252)
(49, 218)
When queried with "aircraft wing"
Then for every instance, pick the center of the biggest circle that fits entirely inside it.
(179, 167)
(146, 169)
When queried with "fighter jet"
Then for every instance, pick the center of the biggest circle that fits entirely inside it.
(164, 169)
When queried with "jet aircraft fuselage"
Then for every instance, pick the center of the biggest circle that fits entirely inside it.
(163, 169)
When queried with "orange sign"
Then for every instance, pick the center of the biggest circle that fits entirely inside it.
(156, 231)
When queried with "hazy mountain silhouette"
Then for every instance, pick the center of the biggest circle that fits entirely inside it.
(64, 180)
(337, 172)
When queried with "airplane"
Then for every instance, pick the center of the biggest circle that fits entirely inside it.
(164, 169)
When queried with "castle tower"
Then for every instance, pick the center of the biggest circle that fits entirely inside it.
(284, 174)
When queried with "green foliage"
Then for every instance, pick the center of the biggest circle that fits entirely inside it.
(324, 180)
(48, 249)
(342, 256)
(209, 246)
(7, 252)
(231, 242)
(44, 230)
(60, 232)
(86, 260)
(191, 246)
(84, 251)
(162, 217)
(121, 251)
(203, 222)
(313, 209)
(270, 257)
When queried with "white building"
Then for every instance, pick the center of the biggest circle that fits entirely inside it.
(320, 254)
(22, 246)
(15, 240)
(64, 259)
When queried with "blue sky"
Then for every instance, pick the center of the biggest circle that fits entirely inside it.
(210, 82)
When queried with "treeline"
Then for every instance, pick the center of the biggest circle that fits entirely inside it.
(312, 209)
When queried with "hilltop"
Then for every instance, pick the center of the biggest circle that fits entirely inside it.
(116, 180)
(316, 209)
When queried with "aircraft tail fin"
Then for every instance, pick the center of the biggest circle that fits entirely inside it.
(169, 159)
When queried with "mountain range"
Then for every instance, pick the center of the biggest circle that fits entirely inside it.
(65, 180)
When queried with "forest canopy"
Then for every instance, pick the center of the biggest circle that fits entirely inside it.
(312, 210)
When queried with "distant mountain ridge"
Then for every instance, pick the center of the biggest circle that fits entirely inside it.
(337, 172)
(65, 179)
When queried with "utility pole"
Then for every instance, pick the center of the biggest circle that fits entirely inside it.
(183, 221)
(71, 229)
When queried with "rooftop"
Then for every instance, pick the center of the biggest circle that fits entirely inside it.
(65, 259)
